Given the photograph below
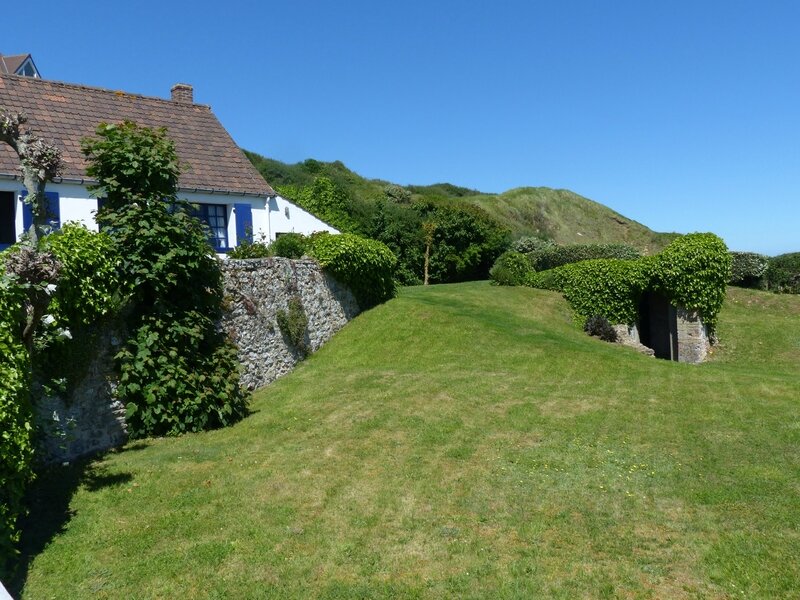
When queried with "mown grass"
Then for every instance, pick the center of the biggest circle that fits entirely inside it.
(461, 441)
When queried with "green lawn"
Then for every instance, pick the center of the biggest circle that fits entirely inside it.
(461, 441)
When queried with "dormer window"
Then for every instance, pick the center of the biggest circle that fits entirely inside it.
(27, 69)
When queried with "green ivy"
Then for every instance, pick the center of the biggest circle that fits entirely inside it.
(365, 266)
(607, 287)
(692, 272)
(293, 323)
(16, 431)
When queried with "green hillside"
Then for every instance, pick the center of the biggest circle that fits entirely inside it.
(560, 215)
(567, 218)
(460, 441)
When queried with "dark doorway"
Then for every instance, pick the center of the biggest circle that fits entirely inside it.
(8, 232)
(658, 325)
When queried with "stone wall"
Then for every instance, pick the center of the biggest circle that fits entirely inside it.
(693, 340)
(90, 420)
(255, 290)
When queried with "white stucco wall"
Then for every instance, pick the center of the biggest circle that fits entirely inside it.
(270, 215)
(286, 217)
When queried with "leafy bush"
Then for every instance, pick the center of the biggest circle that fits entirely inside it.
(466, 240)
(598, 326)
(250, 250)
(550, 257)
(16, 444)
(323, 198)
(289, 245)
(293, 323)
(510, 268)
(177, 371)
(783, 273)
(607, 287)
(531, 244)
(748, 269)
(693, 271)
(365, 266)
(88, 278)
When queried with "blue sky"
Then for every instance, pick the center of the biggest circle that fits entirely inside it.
(683, 115)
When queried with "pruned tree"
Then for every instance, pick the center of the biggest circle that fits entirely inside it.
(40, 162)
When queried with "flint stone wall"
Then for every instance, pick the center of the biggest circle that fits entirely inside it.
(91, 420)
(256, 289)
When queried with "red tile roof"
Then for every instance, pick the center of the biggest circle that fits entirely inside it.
(10, 64)
(64, 113)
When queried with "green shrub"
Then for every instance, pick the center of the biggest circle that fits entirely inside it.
(510, 268)
(748, 269)
(16, 443)
(365, 266)
(88, 278)
(531, 244)
(550, 257)
(610, 288)
(783, 273)
(293, 323)
(598, 326)
(177, 371)
(250, 250)
(289, 245)
(693, 271)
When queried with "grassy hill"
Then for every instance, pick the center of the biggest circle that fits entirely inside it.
(460, 441)
(567, 218)
(560, 215)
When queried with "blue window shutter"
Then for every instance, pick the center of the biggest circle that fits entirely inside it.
(27, 213)
(53, 210)
(244, 223)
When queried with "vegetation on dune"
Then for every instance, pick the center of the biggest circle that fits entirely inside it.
(471, 228)
(459, 441)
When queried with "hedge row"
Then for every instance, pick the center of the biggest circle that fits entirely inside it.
(365, 266)
(556, 256)
(783, 273)
(692, 271)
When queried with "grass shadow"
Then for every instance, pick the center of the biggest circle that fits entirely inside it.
(49, 508)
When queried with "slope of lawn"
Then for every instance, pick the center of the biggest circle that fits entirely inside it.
(461, 441)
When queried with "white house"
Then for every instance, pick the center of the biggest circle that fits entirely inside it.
(232, 197)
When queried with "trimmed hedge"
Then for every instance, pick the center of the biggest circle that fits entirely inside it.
(365, 266)
(530, 244)
(510, 268)
(748, 269)
(556, 256)
(692, 271)
(783, 273)
(607, 287)
(16, 431)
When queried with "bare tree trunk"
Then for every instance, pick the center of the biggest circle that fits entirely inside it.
(427, 262)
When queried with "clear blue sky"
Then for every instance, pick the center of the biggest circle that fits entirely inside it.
(682, 115)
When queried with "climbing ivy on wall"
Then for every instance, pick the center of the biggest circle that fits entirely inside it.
(692, 272)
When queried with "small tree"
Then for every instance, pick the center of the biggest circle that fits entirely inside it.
(177, 370)
(429, 229)
(40, 162)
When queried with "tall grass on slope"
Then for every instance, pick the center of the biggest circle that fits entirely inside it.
(460, 441)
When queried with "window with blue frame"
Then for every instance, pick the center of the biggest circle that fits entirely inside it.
(216, 217)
